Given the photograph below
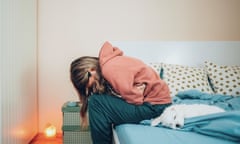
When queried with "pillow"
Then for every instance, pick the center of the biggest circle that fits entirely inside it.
(181, 78)
(224, 79)
(157, 67)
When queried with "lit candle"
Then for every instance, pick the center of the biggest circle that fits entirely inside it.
(50, 130)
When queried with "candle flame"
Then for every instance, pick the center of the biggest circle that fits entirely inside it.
(50, 131)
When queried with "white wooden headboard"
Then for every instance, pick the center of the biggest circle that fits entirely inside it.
(187, 53)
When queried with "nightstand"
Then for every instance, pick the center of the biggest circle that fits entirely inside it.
(72, 131)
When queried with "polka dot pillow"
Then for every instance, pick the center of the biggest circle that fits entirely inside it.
(157, 67)
(224, 79)
(181, 78)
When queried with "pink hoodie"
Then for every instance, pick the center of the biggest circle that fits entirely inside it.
(123, 72)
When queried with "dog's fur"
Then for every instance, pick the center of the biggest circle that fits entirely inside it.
(173, 116)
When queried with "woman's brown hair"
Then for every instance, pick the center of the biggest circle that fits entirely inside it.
(80, 74)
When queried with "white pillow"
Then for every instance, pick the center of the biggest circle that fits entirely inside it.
(181, 78)
(224, 79)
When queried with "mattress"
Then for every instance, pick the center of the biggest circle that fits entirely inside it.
(219, 128)
(141, 134)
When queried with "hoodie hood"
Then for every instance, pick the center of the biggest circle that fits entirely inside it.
(108, 52)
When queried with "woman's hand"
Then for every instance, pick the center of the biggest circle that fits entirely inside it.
(140, 86)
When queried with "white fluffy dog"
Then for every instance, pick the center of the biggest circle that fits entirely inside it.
(173, 116)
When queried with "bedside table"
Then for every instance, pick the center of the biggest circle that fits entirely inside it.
(72, 131)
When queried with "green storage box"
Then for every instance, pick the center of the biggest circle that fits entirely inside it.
(72, 131)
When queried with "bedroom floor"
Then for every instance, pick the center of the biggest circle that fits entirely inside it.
(41, 139)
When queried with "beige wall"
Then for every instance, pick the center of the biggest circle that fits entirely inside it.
(72, 28)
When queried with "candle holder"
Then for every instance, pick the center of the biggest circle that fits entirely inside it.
(50, 131)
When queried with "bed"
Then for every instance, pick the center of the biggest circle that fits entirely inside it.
(196, 72)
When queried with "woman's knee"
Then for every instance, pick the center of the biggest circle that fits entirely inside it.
(97, 103)
(91, 99)
(94, 100)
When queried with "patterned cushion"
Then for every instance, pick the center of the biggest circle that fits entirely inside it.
(224, 79)
(180, 78)
(157, 67)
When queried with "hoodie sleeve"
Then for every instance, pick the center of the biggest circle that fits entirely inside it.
(120, 72)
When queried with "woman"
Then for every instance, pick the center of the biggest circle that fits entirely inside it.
(116, 89)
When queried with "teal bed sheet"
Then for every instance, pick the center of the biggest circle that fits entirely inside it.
(141, 134)
(220, 128)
